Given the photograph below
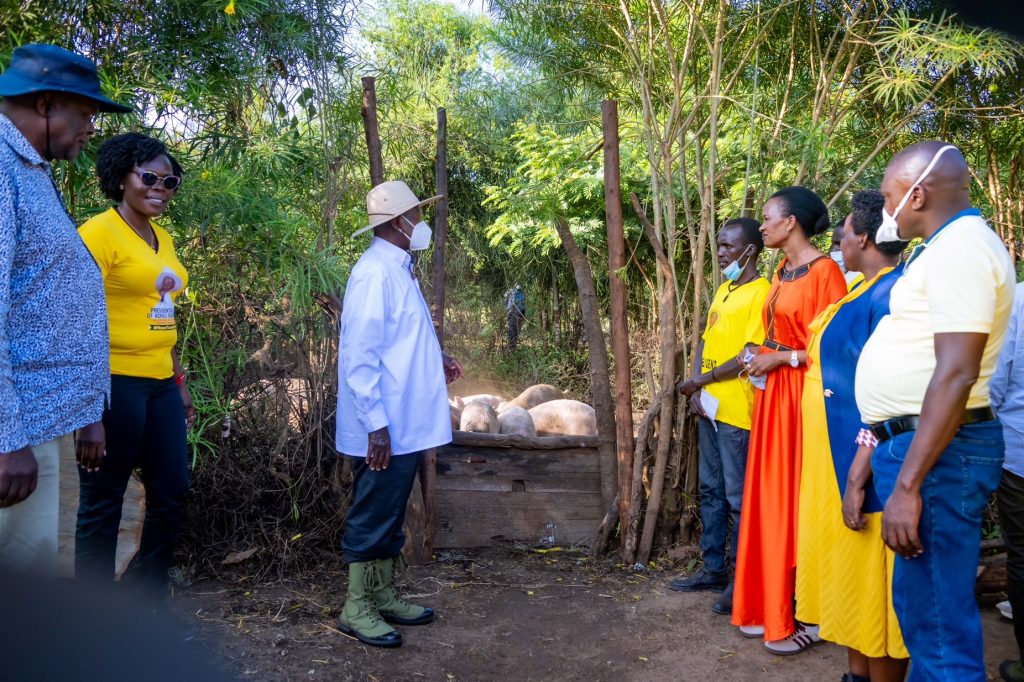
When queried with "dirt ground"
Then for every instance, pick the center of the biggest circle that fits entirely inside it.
(509, 613)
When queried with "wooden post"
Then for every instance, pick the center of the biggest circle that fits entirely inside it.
(372, 132)
(599, 381)
(415, 527)
(428, 483)
(620, 328)
(667, 332)
(440, 223)
(428, 467)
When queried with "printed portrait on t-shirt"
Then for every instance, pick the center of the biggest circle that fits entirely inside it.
(167, 282)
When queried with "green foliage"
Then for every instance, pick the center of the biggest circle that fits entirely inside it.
(545, 363)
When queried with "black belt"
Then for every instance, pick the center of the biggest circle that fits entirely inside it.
(775, 345)
(891, 428)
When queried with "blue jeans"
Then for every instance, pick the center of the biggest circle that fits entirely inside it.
(723, 463)
(933, 594)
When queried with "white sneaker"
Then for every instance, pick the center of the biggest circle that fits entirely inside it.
(1005, 610)
(752, 631)
(803, 637)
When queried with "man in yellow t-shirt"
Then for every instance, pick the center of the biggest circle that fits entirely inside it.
(735, 322)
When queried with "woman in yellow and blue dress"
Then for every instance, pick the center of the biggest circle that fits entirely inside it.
(844, 576)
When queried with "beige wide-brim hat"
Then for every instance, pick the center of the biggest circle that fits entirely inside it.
(389, 200)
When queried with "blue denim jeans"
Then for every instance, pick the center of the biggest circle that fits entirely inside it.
(933, 594)
(723, 462)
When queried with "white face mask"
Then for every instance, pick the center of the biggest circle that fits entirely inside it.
(837, 256)
(420, 237)
(889, 230)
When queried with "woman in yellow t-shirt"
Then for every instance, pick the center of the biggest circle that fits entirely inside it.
(150, 408)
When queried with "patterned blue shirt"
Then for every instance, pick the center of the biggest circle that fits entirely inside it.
(1007, 387)
(54, 348)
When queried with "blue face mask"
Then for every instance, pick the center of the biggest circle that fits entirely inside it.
(733, 271)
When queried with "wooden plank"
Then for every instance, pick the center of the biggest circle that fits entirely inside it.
(494, 440)
(567, 484)
(491, 505)
(534, 464)
(579, 532)
(473, 519)
(513, 493)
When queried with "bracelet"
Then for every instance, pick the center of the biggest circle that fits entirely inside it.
(866, 438)
(179, 379)
(713, 377)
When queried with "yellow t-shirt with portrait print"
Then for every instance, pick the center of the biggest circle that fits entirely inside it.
(734, 321)
(141, 286)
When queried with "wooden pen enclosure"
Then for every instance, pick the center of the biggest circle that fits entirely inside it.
(492, 487)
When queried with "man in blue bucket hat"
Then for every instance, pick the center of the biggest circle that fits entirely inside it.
(54, 349)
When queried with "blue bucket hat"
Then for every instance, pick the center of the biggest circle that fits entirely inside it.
(38, 67)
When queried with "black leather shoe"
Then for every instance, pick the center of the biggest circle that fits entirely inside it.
(389, 641)
(723, 605)
(701, 581)
(427, 617)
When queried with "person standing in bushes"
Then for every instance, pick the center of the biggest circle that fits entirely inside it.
(150, 405)
(54, 375)
(515, 312)
(734, 325)
(392, 405)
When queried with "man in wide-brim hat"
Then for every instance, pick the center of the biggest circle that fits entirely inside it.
(392, 406)
(54, 374)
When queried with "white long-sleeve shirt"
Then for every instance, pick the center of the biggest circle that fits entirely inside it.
(389, 361)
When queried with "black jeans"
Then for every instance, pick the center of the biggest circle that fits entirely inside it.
(145, 428)
(515, 323)
(1010, 498)
(373, 525)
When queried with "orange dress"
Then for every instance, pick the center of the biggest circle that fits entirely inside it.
(766, 556)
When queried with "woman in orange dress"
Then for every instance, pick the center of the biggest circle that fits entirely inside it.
(805, 283)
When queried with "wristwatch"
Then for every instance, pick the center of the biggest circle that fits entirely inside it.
(794, 360)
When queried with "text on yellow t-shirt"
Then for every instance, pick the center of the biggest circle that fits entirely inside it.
(734, 321)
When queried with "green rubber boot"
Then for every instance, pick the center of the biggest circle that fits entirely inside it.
(359, 617)
(391, 607)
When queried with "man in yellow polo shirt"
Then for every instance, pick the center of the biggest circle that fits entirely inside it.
(922, 384)
(735, 322)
